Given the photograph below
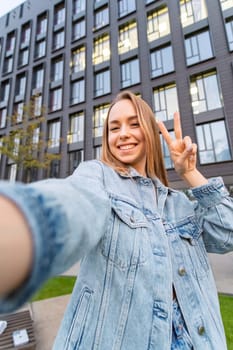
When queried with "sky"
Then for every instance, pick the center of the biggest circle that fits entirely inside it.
(8, 5)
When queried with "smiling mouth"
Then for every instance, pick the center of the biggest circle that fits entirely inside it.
(126, 147)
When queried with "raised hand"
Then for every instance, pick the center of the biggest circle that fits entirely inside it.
(183, 153)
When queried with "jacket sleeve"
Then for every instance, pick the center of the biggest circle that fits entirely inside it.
(67, 218)
(214, 209)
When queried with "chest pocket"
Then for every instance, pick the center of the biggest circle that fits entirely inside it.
(193, 247)
(126, 239)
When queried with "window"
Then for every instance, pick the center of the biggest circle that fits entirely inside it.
(79, 6)
(12, 172)
(130, 74)
(55, 99)
(75, 158)
(42, 24)
(166, 153)
(101, 18)
(161, 61)
(97, 152)
(26, 34)
(54, 169)
(78, 62)
(226, 4)
(10, 44)
(165, 102)
(36, 136)
(58, 40)
(100, 114)
(57, 69)
(40, 49)
(0, 146)
(78, 91)
(5, 91)
(192, 11)
(229, 30)
(125, 7)
(212, 142)
(158, 24)
(21, 85)
(3, 115)
(102, 83)
(8, 65)
(198, 47)
(79, 29)
(38, 77)
(54, 133)
(37, 105)
(23, 57)
(101, 50)
(19, 109)
(59, 14)
(76, 130)
(205, 93)
(128, 37)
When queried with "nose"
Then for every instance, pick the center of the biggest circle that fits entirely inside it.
(124, 131)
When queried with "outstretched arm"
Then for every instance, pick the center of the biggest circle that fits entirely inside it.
(15, 247)
(183, 154)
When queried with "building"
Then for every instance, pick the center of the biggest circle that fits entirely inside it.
(74, 56)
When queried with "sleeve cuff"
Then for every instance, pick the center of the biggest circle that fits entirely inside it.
(212, 193)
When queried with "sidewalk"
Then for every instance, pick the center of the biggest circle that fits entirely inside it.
(47, 314)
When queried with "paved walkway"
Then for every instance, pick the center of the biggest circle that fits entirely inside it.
(47, 314)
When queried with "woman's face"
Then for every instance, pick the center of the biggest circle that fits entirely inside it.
(126, 139)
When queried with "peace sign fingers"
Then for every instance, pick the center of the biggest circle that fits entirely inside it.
(177, 126)
(177, 129)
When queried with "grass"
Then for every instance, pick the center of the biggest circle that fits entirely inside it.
(62, 285)
(226, 305)
(54, 287)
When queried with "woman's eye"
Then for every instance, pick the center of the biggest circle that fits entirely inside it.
(135, 125)
(114, 129)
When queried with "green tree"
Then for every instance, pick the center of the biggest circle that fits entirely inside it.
(25, 144)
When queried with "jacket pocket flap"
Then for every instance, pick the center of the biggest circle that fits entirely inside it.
(187, 228)
(129, 214)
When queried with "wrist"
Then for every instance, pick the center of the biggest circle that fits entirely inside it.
(194, 178)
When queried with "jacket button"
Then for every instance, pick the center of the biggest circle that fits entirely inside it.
(201, 330)
(181, 271)
(132, 219)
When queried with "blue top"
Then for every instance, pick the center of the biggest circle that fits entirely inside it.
(135, 238)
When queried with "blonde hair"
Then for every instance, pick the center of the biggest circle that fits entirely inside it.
(154, 163)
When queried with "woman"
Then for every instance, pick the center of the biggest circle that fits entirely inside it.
(145, 281)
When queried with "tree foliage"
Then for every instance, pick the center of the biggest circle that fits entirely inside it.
(25, 144)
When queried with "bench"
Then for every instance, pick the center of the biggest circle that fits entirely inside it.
(17, 321)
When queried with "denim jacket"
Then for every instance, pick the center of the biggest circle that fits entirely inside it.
(135, 238)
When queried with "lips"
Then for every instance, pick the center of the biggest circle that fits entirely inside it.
(126, 147)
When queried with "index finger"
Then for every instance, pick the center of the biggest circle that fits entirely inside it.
(164, 132)
(177, 126)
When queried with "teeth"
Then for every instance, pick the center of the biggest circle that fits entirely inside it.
(126, 147)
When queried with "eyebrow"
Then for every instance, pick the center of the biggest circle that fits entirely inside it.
(129, 118)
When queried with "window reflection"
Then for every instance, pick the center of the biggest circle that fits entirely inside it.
(213, 143)
(128, 38)
(226, 4)
(165, 102)
(158, 24)
(192, 11)
(161, 61)
(205, 93)
(229, 30)
(198, 48)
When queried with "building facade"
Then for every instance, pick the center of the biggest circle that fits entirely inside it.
(74, 56)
